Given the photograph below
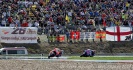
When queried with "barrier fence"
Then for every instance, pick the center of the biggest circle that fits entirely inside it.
(29, 35)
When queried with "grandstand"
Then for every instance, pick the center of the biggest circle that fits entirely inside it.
(60, 23)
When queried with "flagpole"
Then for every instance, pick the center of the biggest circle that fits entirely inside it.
(114, 32)
(131, 33)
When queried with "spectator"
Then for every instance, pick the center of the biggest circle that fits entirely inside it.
(38, 40)
(24, 24)
(10, 20)
(12, 25)
(3, 23)
(82, 14)
(36, 24)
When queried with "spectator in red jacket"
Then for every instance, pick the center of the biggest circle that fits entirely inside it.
(24, 24)
(10, 19)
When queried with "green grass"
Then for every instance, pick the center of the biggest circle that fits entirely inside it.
(102, 58)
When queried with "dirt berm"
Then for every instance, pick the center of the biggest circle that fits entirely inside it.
(77, 48)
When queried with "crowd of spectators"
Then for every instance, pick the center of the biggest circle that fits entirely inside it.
(62, 16)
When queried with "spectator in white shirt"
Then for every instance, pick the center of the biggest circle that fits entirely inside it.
(70, 13)
(12, 25)
(4, 15)
(26, 3)
(82, 13)
(17, 21)
(3, 23)
(36, 24)
(30, 24)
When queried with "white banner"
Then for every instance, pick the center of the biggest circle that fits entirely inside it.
(87, 35)
(18, 35)
(118, 33)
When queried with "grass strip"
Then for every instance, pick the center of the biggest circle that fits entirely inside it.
(102, 58)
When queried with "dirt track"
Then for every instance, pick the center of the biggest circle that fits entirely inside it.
(61, 65)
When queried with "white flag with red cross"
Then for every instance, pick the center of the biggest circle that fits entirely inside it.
(118, 33)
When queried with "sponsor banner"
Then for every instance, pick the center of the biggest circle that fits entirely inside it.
(87, 35)
(118, 33)
(18, 35)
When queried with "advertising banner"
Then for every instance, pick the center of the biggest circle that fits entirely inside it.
(18, 35)
(87, 35)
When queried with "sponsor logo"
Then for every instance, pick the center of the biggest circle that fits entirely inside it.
(23, 31)
(5, 32)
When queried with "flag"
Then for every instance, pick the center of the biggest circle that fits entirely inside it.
(67, 19)
(100, 34)
(75, 35)
(118, 33)
(61, 38)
